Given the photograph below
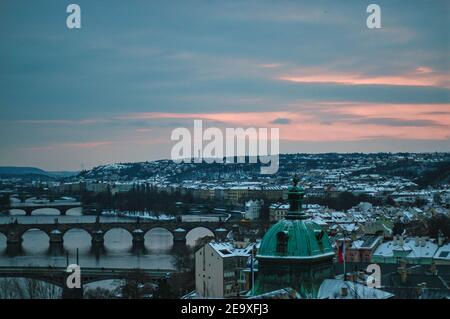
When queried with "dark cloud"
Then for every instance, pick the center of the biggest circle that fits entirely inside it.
(281, 121)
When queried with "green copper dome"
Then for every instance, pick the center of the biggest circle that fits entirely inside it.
(295, 252)
(295, 239)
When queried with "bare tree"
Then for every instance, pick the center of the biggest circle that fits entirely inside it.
(21, 288)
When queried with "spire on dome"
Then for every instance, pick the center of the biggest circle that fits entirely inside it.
(295, 197)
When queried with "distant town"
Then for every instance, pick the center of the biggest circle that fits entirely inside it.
(350, 210)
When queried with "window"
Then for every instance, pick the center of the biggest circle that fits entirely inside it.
(444, 254)
(282, 241)
(225, 252)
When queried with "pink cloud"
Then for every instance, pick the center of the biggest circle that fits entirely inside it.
(421, 76)
(270, 65)
(253, 119)
(346, 121)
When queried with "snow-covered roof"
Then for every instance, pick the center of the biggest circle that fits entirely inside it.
(409, 245)
(332, 289)
(443, 253)
(226, 249)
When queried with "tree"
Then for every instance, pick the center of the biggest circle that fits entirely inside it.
(136, 286)
(98, 293)
(21, 288)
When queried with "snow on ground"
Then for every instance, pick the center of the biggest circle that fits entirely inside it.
(141, 215)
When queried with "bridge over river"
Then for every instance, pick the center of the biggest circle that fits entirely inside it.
(14, 231)
(58, 275)
(61, 206)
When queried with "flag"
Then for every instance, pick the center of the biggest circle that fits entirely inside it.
(341, 253)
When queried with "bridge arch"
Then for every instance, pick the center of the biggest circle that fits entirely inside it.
(27, 231)
(114, 228)
(77, 238)
(17, 211)
(74, 229)
(159, 238)
(196, 233)
(122, 240)
(35, 240)
(45, 211)
(70, 211)
(158, 228)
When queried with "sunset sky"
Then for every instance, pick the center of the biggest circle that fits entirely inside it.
(115, 89)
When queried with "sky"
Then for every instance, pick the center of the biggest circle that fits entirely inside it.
(114, 90)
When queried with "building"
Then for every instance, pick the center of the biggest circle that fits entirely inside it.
(97, 187)
(253, 209)
(417, 250)
(442, 256)
(294, 253)
(340, 289)
(278, 212)
(219, 270)
(416, 282)
(362, 249)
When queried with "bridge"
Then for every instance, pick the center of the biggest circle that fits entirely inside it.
(13, 231)
(58, 275)
(61, 206)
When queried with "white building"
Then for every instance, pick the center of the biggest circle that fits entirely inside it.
(412, 250)
(219, 270)
(253, 209)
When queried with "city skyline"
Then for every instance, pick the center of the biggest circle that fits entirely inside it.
(114, 90)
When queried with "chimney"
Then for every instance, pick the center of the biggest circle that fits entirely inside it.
(423, 242)
(440, 238)
(417, 241)
(344, 291)
(395, 241)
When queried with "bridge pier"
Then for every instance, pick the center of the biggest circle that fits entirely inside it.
(138, 241)
(63, 211)
(14, 238)
(13, 243)
(13, 249)
(98, 237)
(28, 210)
(179, 236)
(56, 242)
(72, 293)
(138, 236)
(56, 237)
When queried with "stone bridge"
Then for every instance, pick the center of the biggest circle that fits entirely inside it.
(61, 206)
(14, 231)
(58, 275)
